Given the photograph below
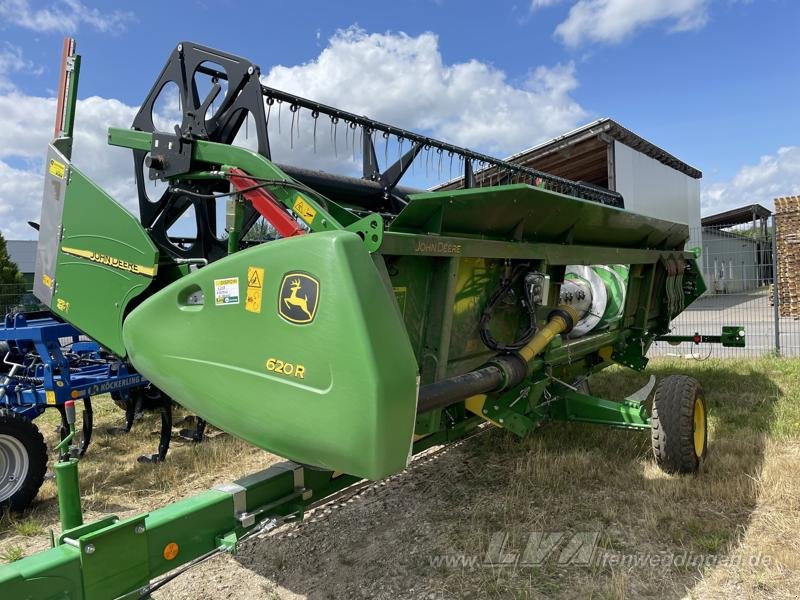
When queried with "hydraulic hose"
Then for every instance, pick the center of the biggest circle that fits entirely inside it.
(502, 372)
(453, 389)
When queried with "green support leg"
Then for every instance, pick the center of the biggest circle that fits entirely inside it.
(69, 494)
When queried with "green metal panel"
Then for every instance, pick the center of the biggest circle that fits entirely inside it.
(395, 243)
(54, 574)
(105, 259)
(337, 391)
(114, 559)
(528, 213)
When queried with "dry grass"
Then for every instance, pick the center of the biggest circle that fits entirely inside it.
(113, 482)
(742, 510)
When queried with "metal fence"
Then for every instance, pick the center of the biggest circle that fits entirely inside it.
(16, 297)
(739, 265)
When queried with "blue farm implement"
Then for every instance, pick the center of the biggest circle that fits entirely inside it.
(46, 363)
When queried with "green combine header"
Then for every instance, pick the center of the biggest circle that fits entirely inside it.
(375, 322)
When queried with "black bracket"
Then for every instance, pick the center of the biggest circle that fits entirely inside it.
(469, 174)
(370, 168)
(392, 176)
(170, 155)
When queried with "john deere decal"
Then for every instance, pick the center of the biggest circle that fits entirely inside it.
(298, 298)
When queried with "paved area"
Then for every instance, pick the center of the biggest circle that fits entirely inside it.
(752, 310)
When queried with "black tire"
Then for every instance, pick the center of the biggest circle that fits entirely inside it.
(20, 439)
(679, 424)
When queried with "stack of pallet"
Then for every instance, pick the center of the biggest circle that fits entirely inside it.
(787, 240)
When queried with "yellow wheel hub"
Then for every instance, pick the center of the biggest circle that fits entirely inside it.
(699, 426)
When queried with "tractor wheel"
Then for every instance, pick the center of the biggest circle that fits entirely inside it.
(23, 461)
(679, 430)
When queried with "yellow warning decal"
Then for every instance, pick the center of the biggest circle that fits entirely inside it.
(56, 169)
(47, 280)
(111, 261)
(304, 210)
(255, 287)
(50, 396)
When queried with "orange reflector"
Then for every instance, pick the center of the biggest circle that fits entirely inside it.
(75, 394)
(171, 551)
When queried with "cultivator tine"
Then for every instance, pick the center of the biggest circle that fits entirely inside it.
(165, 435)
(196, 434)
(87, 426)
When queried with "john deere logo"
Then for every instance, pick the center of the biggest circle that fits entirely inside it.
(297, 302)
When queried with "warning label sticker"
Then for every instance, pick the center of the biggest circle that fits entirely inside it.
(56, 168)
(304, 210)
(255, 286)
(226, 291)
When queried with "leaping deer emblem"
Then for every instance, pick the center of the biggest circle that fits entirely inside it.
(293, 299)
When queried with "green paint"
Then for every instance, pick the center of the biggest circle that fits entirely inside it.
(236, 206)
(101, 246)
(69, 493)
(352, 406)
(573, 406)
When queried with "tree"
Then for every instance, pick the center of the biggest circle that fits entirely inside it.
(261, 231)
(12, 282)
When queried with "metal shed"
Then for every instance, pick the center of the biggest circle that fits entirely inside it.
(652, 181)
(737, 250)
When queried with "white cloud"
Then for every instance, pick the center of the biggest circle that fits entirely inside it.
(537, 4)
(12, 61)
(774, 175)
(63, 15)
(405, 81)
(26, 127)
(392, 77)
(611, 21)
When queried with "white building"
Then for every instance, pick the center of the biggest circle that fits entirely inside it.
(651, 181)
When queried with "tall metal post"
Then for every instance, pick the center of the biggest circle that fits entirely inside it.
(775, 297)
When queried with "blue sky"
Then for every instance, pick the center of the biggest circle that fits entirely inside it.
(714, 82)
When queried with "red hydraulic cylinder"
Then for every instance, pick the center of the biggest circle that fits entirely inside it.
(265, 203)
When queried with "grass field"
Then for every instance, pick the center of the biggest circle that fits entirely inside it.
(432, 531)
